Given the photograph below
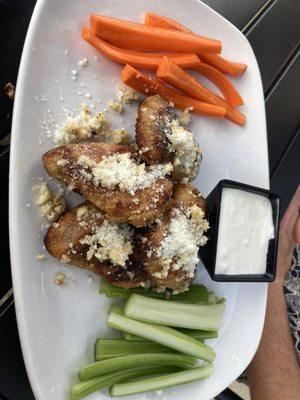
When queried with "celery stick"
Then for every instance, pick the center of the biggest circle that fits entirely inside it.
(135, 360)
(161, 312)
(108, 348)
(128, 336)
(196, 293)
(160, 334)
(161, 382)
(196, 334)
(220, 300)
(81, 389)
(211, 298)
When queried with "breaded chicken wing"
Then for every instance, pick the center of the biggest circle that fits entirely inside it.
(112, 178)
(78, 238)
(171, 247)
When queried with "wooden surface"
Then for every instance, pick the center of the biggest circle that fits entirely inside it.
(271, 26)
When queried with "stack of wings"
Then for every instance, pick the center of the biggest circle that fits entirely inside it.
(141, 223)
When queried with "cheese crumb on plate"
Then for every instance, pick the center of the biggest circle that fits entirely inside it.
(51, 204)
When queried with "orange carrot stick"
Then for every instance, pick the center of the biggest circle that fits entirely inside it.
(131, 35)
(176, 76)
(144, 84)
(229, 92)
(152, 19)
(137, 59)
(223, 65)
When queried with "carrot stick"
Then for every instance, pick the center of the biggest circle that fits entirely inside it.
(152, 19)
(144, 84)
(229, 92)
(131, 35)
(223, 65)
(176, 76)
(137, 59)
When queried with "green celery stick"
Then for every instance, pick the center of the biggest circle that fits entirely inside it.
(196, 293)
(161, 382)
(81, 389)
(160, 334)
(175, 314)
(199, 334)
(108, 348)
(135, 360)
(196, 334)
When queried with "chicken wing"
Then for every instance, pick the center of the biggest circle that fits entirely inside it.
(162, 139)
(75, 164)
(171, 247)
(76, 239)
(153, 122)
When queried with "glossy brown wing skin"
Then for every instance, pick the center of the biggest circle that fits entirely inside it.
(184, 196)
(153, 122)
(63, 242)
(139, 209)
(188, 195)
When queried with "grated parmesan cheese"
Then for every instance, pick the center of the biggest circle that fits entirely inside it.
(60, 279)
(81, 127)
(51, 205)
(186, 149)
(82, 63)
(185, 117)
(179, 248)
(125, 95)
(119, 136)
(65, 258)
(123, 171)
(110, 241)
(81, 213)
(115, 105)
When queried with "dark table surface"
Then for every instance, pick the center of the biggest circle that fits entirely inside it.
(271, 26)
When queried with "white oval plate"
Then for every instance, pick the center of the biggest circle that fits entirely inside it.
(58, 325)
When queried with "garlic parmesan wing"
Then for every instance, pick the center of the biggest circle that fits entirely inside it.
(73, 239)
(161, 139)
(73, 164)
(171, 247)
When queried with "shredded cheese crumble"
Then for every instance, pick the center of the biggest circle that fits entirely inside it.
(60, 279)
(185, 117)
(179, 247)
(186, 149)
(86, 126)
(110, 241)
(51, 205)
(125, 95)
(115, 105)
(122, 171)
(81, 127)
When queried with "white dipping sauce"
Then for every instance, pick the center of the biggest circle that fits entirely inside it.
(245, 228)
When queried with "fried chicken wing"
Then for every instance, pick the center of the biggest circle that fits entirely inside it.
(77, 165)
(171, 247)
(153, 122)
(162, 139)
(76, 238)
